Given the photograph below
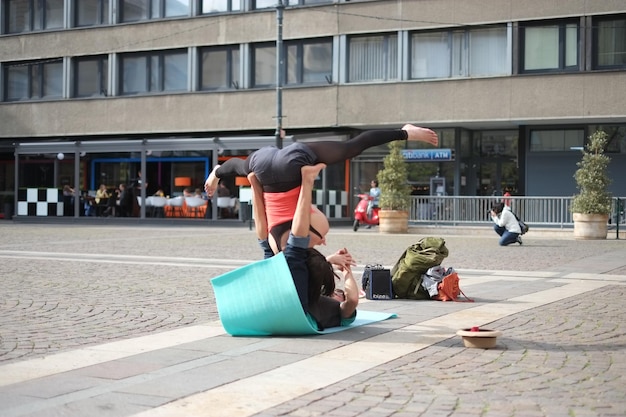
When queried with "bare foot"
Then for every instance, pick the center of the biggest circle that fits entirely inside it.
(210, 185)
(421, 134)
(309, 172)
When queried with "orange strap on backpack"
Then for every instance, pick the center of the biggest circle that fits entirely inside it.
(449, 289)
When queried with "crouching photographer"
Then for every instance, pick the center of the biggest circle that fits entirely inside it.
(506, 224)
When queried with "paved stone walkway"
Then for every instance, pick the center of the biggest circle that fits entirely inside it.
(121, 321)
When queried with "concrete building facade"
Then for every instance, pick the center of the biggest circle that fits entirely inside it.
(513, 88)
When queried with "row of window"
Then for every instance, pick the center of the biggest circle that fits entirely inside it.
(35, 15)
(559, 140)
(470, 52)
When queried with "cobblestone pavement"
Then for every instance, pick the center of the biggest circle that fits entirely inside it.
(547, 364)
(67, 288)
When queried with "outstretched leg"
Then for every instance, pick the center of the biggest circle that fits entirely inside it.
(421, 134)
(231, 168)
(329, 152)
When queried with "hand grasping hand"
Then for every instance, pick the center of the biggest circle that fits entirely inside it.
(342, 259)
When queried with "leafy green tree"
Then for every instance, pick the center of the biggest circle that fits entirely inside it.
(395, 192)
(592, 179)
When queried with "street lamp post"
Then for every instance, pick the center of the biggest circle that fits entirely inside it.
(279, 73)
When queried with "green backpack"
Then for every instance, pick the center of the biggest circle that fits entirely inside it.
(406, 275)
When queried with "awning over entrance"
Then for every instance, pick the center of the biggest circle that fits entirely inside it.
(137, 145)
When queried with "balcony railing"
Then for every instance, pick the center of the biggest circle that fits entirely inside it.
(536, 211)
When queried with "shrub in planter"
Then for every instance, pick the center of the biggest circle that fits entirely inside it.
(592, 205)
(395, 192)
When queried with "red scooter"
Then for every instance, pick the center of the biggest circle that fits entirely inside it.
(360, 212)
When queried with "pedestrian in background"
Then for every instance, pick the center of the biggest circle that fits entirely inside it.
(506, 225)
(374, 199)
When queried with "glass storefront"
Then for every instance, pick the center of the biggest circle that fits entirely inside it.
(495, 154)
(61, 179)
(482, 163)
(160, 175)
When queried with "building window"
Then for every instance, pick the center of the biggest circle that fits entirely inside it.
(294, 2)
(476, 52)
(610, 43)
(153, 72)
(431, 54)
(91, 76)
(91, 12)
(306, 62)
(373, 58)
(264, 59)
(216, 6)
(309, 62)
(219, 68)
(552, 47)
(488, 52)
(556, 140)
(136, 10)
(616, 137)
(265, 4)
(33, 15)
(32, 81)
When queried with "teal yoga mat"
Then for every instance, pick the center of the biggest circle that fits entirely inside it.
(260, 299)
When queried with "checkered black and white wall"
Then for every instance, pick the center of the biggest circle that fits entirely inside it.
(40, 202)
(336, 203)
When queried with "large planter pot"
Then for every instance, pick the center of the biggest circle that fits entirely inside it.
(590, 226)
(393, 221)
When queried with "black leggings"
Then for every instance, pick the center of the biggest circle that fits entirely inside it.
(327, 152)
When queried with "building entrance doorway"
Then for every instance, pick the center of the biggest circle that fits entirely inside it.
(497, 170)
(497, 177)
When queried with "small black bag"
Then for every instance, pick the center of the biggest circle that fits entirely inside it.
(376, 283)
(522, 225)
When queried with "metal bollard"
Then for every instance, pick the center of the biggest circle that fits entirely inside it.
(619, 207)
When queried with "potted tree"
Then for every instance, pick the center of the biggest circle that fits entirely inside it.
(592, 205)
(395, 193)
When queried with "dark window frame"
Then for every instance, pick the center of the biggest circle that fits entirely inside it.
(230, 49)
(291, 3)
(33, 25)
(36, 72)
(253, 53)
(102, 14)
(103, 75)
(229, 8)
(388, 76)
(562, 26)
(300, 45)
(616, 137)
(596, 40)
(148, 58)
(575, 128)
(150, 14)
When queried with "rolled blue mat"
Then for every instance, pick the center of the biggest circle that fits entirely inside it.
(260, 299)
